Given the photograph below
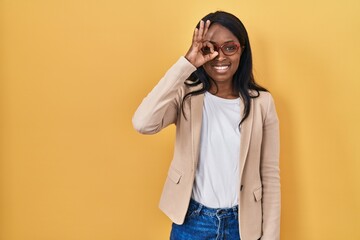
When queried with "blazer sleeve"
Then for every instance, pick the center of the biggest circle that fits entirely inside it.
(160, 107)
(270, 174)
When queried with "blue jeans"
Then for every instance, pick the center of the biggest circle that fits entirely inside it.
(207, 223)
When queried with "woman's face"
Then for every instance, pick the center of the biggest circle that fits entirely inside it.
(222, 68)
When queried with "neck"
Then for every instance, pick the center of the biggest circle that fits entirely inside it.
(223, 91)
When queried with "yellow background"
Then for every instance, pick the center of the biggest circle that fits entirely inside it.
(73, 72)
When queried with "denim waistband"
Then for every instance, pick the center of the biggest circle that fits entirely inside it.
(194, 206)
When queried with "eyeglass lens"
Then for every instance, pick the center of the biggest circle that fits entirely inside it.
(227, 48)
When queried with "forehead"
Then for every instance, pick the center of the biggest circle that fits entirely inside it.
(219, 34)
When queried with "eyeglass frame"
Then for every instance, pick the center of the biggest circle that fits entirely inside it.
(217, 47)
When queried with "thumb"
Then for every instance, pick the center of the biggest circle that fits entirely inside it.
(211, 56)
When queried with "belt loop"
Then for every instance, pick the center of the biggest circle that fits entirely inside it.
(235, 209)
(200, 207)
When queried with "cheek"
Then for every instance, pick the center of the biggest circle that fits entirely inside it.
(236, 63)
(207, 68)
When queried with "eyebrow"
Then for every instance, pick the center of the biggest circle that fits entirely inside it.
(223, 42)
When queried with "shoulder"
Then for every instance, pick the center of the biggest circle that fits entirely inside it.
(261, 97)
(264, 102)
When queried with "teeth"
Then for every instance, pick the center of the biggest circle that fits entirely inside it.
(221, 67)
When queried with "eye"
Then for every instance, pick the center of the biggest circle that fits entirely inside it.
(230, 47)
(206, 50)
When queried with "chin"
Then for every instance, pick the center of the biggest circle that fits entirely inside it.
(221, 79)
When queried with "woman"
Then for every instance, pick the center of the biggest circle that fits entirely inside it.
(223, 181)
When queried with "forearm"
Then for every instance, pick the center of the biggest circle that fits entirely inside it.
(159, 108)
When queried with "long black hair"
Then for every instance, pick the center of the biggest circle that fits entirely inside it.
(243, 79)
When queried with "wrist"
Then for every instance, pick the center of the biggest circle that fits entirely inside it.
(189, 60)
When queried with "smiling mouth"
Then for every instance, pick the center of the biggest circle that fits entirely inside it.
(221, 68)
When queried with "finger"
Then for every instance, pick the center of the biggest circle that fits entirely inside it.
(211, 56)
(209, 45)
(200, 32)
(195, 35)
(207, 25)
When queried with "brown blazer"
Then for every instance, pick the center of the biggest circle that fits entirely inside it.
(259, 196)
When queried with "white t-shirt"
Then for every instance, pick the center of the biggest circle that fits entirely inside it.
(217, 176)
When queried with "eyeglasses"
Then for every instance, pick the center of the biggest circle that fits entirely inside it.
(229, 48)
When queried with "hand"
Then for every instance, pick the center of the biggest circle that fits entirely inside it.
(195, 55)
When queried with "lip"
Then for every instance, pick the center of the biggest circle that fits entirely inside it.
(220, 68)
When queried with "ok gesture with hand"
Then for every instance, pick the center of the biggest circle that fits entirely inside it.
(195, 56)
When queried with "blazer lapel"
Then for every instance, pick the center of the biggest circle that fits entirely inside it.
(196, 106)
(245, 132)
